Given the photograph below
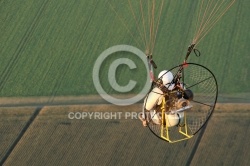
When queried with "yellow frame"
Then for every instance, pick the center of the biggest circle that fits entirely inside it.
(165, 127)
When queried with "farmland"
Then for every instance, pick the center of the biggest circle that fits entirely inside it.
(49, 48)
(51, 138)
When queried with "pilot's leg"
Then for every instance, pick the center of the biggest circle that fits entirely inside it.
(143, 117)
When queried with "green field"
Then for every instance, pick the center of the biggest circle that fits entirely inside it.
(47, 53)
(48, 48)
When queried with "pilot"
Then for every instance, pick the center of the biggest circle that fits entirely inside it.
(153, 100)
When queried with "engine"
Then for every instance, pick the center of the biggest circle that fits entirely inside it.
(176, 103)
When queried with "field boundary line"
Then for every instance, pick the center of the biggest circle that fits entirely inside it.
(20, 135)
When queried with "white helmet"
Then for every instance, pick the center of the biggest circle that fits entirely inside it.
(166, 77)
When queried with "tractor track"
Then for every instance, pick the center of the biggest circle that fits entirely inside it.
(10, 67)
(70, 60)
(20, 135)
(228, 60)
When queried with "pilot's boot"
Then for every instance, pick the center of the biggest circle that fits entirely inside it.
(144, 122)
